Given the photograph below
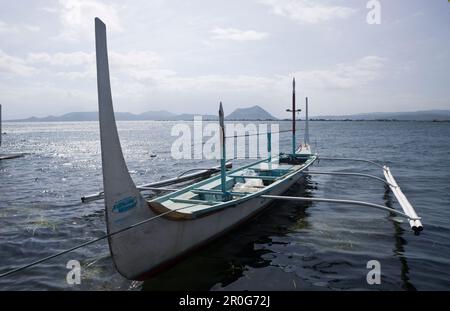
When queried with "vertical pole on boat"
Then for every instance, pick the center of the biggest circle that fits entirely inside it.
(293, 110)
(306, 124)
(293, 116)
(269, 148)
(223, 154)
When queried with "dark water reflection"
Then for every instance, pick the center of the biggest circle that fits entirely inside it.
(400, 242)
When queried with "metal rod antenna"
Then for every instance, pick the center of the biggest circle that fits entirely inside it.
(306, 123)
(223, 155)
(293, 110)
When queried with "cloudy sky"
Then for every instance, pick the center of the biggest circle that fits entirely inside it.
(187, 55)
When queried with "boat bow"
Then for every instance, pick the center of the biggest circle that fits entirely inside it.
(124, 204)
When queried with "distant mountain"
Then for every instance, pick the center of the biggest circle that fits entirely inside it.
(120, 116)
(423, 115)
(76, 116)
(252, 113)
(157, 115)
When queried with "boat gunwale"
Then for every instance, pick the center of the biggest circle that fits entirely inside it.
(218, 207)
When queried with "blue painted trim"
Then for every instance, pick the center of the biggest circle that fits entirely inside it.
(284, 179)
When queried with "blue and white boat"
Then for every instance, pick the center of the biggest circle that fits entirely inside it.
(189, 217)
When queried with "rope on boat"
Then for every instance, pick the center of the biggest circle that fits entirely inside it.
(274, 197)
(255, 134)
(88, 243)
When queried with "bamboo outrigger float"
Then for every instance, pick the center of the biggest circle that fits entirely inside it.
(184, 219)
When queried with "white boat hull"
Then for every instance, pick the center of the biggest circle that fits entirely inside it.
(148, 248)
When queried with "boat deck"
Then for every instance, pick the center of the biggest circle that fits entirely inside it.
(206, 196)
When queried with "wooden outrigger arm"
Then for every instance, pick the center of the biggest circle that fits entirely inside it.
(408, 209)
(351, 202)
(351, 159)
(350, 174)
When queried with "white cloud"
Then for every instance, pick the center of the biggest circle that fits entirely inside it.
(136, 74)
(308, 11)
(61, 59)
(5, 28)
(14, 65)
(343, 76)
(356, 74)
(135, 62)
(77, 17)
(31, 28)
(139, 65)
(146, 67)
(14, 29)
(237, 34)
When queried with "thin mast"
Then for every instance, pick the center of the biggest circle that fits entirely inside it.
(293, 110)
(223, 169)
(293, 116)
(306, 124)
(0, 124)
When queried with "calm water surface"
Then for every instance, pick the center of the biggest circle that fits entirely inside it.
(290, 246)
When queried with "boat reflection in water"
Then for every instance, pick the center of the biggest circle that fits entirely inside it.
(399, 249)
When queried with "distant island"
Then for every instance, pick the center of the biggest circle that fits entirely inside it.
(422, 115)
(254, 113)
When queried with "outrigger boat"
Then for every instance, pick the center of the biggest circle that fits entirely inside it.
(147, 235)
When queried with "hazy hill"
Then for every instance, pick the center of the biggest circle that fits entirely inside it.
(423, 115)
(252, 113)
(120, 116)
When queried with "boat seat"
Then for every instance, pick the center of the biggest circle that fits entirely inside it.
(257, 169)
(212, 191)
(205, 202)
(256, 177)
(273, 166)
(216, 183)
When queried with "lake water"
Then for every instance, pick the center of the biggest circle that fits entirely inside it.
(290, 246)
